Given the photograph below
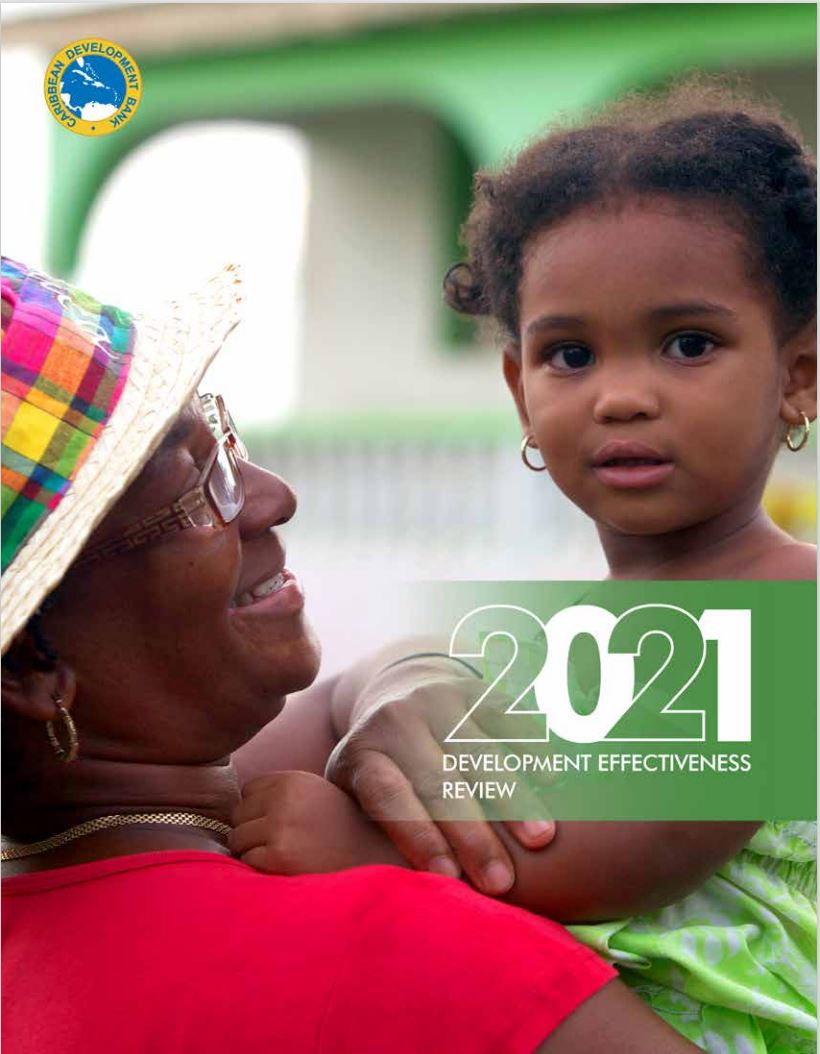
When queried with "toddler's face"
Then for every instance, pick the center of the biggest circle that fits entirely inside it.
(641, 325)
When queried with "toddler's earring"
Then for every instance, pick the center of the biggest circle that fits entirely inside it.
(68, 753)
(803, 433)
(526, 443)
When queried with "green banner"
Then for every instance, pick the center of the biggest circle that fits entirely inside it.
(627, 700)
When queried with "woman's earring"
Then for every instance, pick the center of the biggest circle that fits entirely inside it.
(526, 443)
(69, 753)
(804, 431)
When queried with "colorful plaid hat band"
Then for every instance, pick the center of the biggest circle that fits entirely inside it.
(66, 358)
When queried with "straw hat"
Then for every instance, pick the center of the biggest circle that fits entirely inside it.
(89, 391)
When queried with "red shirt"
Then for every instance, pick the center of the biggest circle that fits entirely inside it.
(194, 952)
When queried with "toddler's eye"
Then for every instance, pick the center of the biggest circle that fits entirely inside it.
(690, 346)
(570, 357)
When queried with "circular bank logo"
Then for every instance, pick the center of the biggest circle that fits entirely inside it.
(93, 87)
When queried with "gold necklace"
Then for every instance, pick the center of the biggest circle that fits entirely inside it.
(103, 823)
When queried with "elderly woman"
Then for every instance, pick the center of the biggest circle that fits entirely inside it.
(150, 628)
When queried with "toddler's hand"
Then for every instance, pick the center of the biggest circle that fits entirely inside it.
(391, 763)
(291, 823)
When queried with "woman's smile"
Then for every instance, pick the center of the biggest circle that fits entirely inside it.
(268, 585)
(276, 596)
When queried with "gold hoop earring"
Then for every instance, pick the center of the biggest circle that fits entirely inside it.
(526, 443)
(65, 754)
(805, 432)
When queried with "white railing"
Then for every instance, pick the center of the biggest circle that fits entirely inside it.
(372, 516)
(375, 514)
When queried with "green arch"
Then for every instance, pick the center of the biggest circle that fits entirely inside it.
(494, 80)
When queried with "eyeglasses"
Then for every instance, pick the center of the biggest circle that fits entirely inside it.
(215, 501)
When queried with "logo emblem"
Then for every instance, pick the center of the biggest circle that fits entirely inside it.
(92, 87)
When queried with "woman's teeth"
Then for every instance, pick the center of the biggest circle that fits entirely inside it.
(264, 589)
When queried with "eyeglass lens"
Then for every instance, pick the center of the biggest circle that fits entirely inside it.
(228, 425)
(225, 486)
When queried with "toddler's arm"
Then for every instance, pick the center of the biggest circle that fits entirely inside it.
(296, 822)
(595, 871)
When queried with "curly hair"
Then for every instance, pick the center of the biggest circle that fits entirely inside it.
(702, 141)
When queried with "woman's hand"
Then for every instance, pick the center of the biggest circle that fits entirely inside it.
(391, 762)
(293, 823)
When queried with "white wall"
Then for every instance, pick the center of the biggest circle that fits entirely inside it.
(373, 334)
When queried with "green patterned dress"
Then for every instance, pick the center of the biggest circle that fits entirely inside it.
(732, 966)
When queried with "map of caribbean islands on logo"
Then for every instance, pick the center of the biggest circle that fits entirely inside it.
(92, 87)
